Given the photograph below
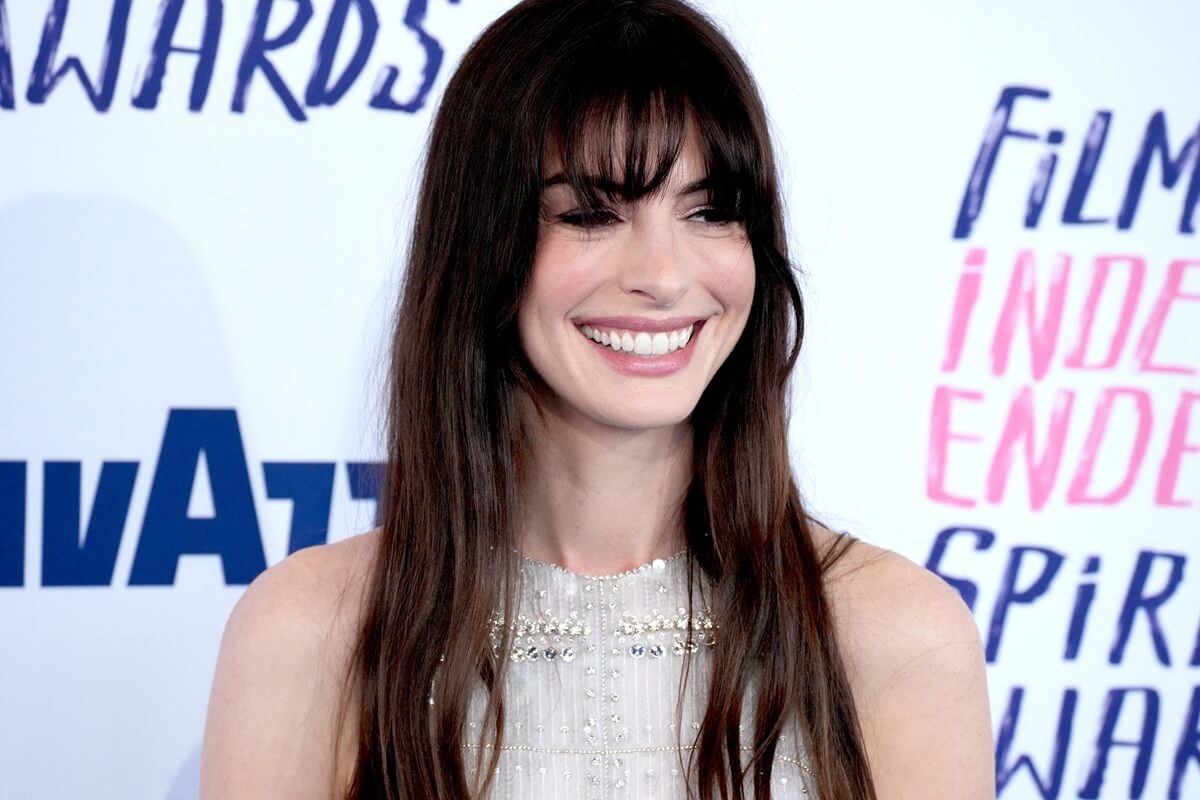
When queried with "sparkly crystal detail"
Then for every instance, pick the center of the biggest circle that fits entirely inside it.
(536, 638)
(586, 717)
(679, 647)
(655, 621)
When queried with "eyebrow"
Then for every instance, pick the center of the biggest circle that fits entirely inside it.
(611, 187)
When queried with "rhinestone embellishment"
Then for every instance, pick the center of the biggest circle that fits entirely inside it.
(655, 621)
(539, 637)
(592, 726)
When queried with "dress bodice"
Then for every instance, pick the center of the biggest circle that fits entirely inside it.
(593, 691)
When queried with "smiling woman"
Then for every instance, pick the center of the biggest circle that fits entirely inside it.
(595, 576)
(642, 270)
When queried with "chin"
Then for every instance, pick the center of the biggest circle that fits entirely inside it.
(649, 419)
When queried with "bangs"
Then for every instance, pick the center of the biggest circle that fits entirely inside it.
(627, 103)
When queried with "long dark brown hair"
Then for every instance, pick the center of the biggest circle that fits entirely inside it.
(582, 76)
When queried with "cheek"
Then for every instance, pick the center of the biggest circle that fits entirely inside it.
(557, 285)
(730, 269)
(560, 276)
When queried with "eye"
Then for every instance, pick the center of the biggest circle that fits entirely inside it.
(713, 215)
(597, 218)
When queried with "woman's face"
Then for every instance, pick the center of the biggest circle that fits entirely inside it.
(665, 276)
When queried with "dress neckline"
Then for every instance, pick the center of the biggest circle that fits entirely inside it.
(654, 565)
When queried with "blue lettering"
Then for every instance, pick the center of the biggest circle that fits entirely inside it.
(168, 533)
(1047, 788)
(1089, 159)
(326, 86)
(310, 488)
(414, 16)
(1083, 603)
(254, 57)
(985, 161)
(46, 75)
(66, 561)
(318, 92)
(983, 541)
(1189, 746)
(1041, 182)
(1136, 598)
(156, 63)
(366, 478)
(1195, 660)
(1009, 595)
(1105, 742)
(7, 96)
(1172, 169)
(12, 523)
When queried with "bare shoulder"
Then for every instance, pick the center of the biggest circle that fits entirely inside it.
(272, 713)
(870, 585)
(917, 672)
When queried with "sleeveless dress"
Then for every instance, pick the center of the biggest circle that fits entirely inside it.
(592, 694)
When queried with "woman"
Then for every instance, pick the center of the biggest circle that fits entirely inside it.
(594, 575)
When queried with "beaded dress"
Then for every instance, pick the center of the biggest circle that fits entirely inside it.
(591, 696)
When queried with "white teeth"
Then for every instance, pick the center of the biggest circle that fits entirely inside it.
(642, 343)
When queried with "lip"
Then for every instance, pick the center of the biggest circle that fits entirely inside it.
(638, 324)
(639, 366)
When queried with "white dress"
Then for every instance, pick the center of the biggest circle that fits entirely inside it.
(591, 695)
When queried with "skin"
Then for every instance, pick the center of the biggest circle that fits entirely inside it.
(610, 467)
(611, 460)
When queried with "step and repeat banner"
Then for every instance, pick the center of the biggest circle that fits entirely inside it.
(204, 207)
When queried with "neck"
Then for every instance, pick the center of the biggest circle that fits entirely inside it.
(601, 500)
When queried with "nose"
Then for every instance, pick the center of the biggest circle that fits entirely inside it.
(655, 266)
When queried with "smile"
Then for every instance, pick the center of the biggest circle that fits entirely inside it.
(640, 343)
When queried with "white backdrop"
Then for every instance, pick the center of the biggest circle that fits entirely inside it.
(194, 286)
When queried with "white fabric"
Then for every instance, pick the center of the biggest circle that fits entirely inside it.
(602, 724)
